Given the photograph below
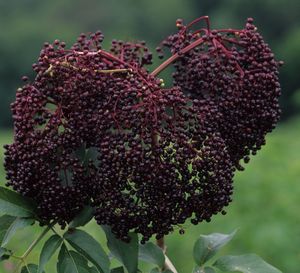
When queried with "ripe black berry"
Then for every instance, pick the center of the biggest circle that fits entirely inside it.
(95, 127)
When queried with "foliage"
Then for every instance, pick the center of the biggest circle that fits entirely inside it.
(80, 252)
(82, 257)
(97, 128)
(272, 179)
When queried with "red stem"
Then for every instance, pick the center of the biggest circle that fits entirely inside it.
(232, 41)
(111, 57)
(230, 30)
(200, 30)
(104, 54)
(206, 18)
(174, 57)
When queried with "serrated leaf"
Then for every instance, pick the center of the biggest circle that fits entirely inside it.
(18, 223)
(126, 253)
(118, 270)
(70, 261)
(30, 268)
(206, 269)
(207, 246)
(151, 253)
(86, 245)
(83, 217)
(249, 263)
(49, 248)
(14, 204)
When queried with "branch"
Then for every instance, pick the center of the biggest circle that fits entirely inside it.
(168, 264)
(177, 55)
(33, 244)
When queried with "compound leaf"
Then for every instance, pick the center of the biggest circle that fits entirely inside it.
(207, 246)
(14, 204)
(86, 245)
(126, 253)
(49, 248)
(151, 253)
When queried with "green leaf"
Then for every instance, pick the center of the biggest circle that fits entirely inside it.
(4, 254)
(206, 269)
(70, 261)
(49, 248)
(157, 270)
(5, 223)
(4, 257)
(14, 204)
(30, 268)
(2, 251)
(118, 270)
(94, 270)
(207, 246)
(151, 253)
(18, 223)
(249, 263)
(83, 217)
(89, 248)
(126, 253)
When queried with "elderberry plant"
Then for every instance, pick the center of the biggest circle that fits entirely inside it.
(96, 134)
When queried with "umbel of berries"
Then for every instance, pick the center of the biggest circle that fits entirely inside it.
(96, 127)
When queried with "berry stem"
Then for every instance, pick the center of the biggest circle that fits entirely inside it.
(36, 241)
(174, 57)
(111, 57)
(205, 18)
(168, 264)
(33, 244)
(103, 53)
(161, 243)
(117, 70)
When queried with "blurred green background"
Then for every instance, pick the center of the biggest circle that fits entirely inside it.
(267, 194)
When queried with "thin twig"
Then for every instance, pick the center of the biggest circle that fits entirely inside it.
(31, 247)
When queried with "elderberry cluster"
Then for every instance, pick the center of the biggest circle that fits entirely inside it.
(235, 75)
(95, 127)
